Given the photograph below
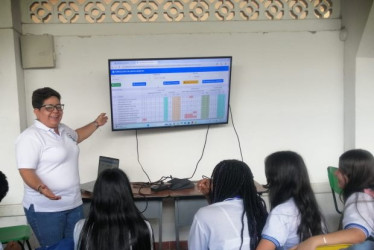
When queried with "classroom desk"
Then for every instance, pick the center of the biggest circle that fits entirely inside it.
(186, 202)
(149, 204)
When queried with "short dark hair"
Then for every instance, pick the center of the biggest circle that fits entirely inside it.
(39, 95)
(4, 187)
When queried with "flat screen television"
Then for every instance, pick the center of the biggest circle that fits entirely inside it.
(169, 92)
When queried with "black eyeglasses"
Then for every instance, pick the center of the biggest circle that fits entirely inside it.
(50, 107)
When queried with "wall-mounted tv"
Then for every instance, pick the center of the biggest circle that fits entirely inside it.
(169, 92)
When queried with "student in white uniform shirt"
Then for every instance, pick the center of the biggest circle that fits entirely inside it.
(294, 214)
(356, 178)
(236, 215)
(47, 158)
(113, 222)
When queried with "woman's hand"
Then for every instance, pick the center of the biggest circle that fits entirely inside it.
(304, 246)
(204, 186)
(346, 236)
(32, 180)
(310, 244)
(44, 190)
(87, 131)
(101, 119)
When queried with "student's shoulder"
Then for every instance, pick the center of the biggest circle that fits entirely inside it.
(209, 210)
(359, 196)
(287, 208)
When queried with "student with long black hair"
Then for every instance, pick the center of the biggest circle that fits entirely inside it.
(236, 215)
(113, 222)
(356, 178)
(294, 214)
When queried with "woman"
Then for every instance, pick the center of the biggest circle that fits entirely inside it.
(356, 178)
(236, 215)
(294, 214)
(47, 159)
(114, 222)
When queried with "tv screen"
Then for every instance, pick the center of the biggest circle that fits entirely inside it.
(169, 92)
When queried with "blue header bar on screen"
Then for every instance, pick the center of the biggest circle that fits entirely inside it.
(167, 70)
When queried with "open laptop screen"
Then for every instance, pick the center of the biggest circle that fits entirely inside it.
(106, 163)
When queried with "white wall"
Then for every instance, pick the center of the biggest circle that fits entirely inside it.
(12, 113)
(358, 29)
(365, 104)
(286, 94)
(365, 86)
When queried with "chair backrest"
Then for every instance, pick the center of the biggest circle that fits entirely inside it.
(20, 233)
(334, 184)
(333, 180)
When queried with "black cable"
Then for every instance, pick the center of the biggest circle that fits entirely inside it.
(144, 197)
(202, 153)
(137, 152)
(149, 180)
(237, 136)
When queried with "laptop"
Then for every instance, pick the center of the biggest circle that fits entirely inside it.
(104, 163)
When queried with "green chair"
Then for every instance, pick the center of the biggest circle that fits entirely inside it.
(335, 189)
(20, 233)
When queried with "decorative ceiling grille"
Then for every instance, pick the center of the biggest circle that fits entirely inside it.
(160, 11)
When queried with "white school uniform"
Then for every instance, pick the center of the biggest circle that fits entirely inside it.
(359, 213)
(281, 225)
(218, 227)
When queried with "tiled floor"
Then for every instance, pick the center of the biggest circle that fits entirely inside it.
(171, 245)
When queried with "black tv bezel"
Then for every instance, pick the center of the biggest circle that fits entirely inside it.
(169, 126)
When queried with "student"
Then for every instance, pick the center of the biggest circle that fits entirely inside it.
(236, 215)
(113, 222)
(294, 213)
(356, 178)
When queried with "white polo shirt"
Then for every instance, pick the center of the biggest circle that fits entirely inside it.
(359, 213)
(218, 227)
(55, 160)
(281, 225)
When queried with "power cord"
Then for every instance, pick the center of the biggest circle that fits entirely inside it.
(163, 178)
(206, 137)
(237, 136)
(137, 153)
(202, 153)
